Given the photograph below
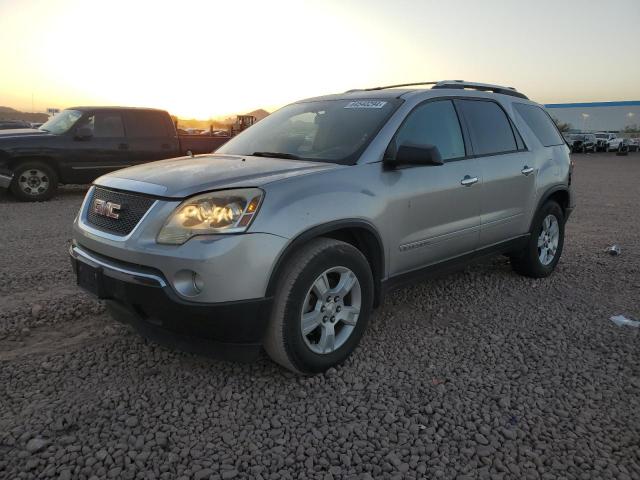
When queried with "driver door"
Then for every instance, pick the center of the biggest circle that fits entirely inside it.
(435, 208)
(102, 152)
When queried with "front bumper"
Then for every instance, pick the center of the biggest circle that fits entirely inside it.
(142, 297)
(233, 267)
(5, 178)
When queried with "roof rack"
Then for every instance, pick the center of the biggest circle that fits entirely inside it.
(390, 86)
(459, 84)
(483, 87)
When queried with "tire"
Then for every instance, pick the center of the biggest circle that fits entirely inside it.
(34, 182)
(530, 261)
(321, 261)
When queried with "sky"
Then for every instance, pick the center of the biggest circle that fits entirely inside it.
(210, 58)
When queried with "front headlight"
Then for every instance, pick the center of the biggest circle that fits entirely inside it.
(228, 211)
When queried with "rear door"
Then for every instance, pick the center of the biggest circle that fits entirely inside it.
(435, 209)
(507, 168)
(103, 151)
(151, 136)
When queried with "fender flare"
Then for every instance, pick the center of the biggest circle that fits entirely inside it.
(545, 197)
(319, 230)
(13, 161)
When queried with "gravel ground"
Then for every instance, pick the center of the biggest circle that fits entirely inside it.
(480, 374)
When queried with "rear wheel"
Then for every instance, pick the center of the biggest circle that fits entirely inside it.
(34, 182)
(321, 308)
(542, 253)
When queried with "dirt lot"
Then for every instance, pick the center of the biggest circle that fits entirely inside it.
(480, 374)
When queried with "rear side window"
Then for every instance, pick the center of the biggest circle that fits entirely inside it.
(540, 123)
(434, 123)
(146, 125)
(489, 127)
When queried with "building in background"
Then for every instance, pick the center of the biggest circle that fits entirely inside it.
(597, 116)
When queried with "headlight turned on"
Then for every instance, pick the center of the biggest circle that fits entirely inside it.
(227, 211)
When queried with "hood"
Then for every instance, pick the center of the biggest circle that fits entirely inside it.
(184, 176)
(21, 132)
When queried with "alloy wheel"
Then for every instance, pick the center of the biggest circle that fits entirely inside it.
(330, 310)
(548, 239)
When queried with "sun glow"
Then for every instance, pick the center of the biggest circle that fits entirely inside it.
(196, 59)
(204, 58)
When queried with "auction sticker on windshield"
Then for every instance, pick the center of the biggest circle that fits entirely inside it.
(366, 104)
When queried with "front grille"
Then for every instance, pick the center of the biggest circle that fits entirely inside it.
(132, 209)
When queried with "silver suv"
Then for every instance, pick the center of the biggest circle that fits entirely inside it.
(291, 233)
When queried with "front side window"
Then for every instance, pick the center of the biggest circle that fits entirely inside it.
(335, 131)
(104, 125)
(540, 123)
(434, 123)
(489, 127)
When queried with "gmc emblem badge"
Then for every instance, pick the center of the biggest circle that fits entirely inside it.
(106, 209)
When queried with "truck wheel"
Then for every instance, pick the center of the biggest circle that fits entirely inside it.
(321, 307)
(34, 182)
(542, 253)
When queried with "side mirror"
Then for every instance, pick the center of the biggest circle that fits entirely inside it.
(409, 154)
(84, 133)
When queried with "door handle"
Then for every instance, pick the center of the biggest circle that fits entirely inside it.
(123, 146)
(526, 170)
(467, 181)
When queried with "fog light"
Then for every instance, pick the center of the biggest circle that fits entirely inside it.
(188, 283)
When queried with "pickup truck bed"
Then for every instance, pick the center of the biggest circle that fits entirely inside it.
(198, 144)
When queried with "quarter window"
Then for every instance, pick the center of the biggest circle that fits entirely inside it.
(540, 123)
(434, 123)
(489, 127)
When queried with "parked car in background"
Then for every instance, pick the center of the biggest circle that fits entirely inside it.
(627, 145)
(13, 124)
(602, 139)
(634, 144)
(615, 144)
(293, 231)
(582, 142)
(82, 143)
(216, 133)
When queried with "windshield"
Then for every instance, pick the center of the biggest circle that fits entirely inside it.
(601, 135)
(62, 122)
(335, 131)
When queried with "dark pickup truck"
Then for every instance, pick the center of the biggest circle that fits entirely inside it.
(82, 143)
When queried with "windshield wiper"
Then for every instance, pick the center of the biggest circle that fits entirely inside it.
(288, 156)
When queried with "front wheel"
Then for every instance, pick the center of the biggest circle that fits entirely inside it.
(321, 307)
(34, 182)
(542, 253)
